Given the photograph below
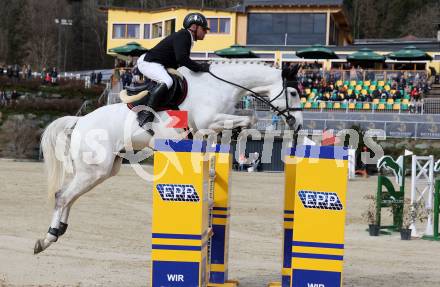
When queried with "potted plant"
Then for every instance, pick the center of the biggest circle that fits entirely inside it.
(370, 215)
(412, 213)
(407, 220)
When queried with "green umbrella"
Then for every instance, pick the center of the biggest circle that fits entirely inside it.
(316, 51)
(365, 55)
(130, 49)
(236, 51)
(409, 53)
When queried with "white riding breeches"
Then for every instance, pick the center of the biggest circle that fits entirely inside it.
(154, 71)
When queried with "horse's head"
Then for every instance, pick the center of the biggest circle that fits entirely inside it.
(268, 83)
(289, 100)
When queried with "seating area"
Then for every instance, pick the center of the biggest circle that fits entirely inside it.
(360, 95)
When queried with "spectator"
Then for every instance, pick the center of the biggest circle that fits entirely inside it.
(24, 72)
(415, 94)
(99, 78)
(246, 102)
(3, 98)
(397, 95)
(275, 121)
(256, 162)
(16, 72)
(241, 162)
(47, 78)
(43, 75)
(54, 76)
(126, 79)
(9, 72)
(376, 94)
(29, 72)
(14, 96)
(359, 73)
(412, 106)
(353, 73)
(87, 82)
(93, 78)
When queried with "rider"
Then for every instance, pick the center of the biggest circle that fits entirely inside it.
(171, 52)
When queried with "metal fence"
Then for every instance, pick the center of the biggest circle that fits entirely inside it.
(431, 105)
(413, 126)
(249, 103)
(368, 75)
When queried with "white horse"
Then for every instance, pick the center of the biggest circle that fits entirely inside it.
(86, 148)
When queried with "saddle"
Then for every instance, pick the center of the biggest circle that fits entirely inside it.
(137, 94)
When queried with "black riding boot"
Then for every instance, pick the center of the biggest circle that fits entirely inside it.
(154, 98)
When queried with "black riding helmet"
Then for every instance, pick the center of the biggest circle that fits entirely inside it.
(195, 18)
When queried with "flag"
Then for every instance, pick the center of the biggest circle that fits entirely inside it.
(179, 119)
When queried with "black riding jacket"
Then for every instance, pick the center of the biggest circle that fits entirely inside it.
(174, 51)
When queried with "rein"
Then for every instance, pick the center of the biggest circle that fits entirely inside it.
(285, 112)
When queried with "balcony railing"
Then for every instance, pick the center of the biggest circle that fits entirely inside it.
(366, 75)
(432, 106)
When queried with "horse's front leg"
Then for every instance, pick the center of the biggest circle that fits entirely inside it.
(227, 121)
(80, 184)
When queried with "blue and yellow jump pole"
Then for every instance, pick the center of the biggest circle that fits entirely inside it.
(190, 224)
(221, 155)
(314, 216)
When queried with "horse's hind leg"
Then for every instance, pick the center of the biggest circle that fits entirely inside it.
(79, 185)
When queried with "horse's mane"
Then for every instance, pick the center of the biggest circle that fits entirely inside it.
(243, 62)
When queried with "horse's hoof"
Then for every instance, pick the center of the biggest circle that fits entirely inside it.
(38, 246)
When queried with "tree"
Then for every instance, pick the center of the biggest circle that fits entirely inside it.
(421, 22)
(41, 42)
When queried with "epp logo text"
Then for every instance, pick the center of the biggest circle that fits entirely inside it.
(320, 200)
(178, 192)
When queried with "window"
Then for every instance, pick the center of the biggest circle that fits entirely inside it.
(219, 25)
(286, 28)
(157, 30)
(147, 32)
(125, 31)
(225, 25)
(118, 31)
(170, 27)
(213, 25)
(319, 23)
(133, 31)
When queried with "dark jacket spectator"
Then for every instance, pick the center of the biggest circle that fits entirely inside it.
(15, 95)
(16, 72)
(3, 98)
(29, 72)
(99, 78)
(126, 79)
(54, 75)
(93, 78)
(9, 72)
(376, 94)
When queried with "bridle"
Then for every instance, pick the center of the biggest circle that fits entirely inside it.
(290, 119)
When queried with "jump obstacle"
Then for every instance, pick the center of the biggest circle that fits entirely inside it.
(191, 204)
(424, 187)
(389, 196)
(314, 216)
(435, 236)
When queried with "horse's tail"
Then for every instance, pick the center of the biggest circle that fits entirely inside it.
(57, 158)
